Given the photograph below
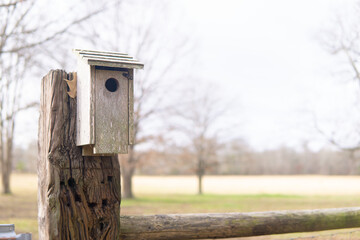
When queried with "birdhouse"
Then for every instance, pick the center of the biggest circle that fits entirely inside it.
(105, 102)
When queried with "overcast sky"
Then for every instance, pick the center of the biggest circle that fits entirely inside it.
(266, 55)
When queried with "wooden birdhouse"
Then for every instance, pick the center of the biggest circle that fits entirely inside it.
(105, 102)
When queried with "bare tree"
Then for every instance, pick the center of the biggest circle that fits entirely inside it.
(22, 30)
(342, 40)
(14, 60)
(198, 118)
(137, 28)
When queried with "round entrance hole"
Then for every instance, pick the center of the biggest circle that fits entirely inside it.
(112, 84)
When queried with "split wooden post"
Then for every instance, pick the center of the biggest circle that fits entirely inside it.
(78, 197)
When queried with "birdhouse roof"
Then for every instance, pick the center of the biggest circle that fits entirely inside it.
(108, 59)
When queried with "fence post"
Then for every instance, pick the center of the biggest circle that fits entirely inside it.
(78, 197)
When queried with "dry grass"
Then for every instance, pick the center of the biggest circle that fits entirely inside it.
(20, 207)
(289, 185)
(223, 194)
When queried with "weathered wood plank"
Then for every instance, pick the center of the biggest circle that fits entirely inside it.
(85, 131)
(78, 197)
(117, 64)
(83, 51)
(229, 225)
(111, 112)
(131, 107)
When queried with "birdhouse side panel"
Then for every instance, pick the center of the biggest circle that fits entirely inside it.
(111, 112)
(85, 105)
(131, 107)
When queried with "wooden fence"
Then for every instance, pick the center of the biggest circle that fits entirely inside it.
(230, 225)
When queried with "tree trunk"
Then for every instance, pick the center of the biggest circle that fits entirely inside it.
(78, 197)
(5, 177)
(200, 191)
(200, 173)
(7, 165)
(127, 173)
(127, 184)
(354, 169)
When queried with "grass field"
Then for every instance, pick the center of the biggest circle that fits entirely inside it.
(294, 185)
(222, 194)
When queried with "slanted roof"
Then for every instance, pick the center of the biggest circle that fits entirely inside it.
(108, 59)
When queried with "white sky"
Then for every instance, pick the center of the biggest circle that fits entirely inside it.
(266, 55)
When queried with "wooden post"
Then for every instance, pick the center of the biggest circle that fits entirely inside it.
(78, 197)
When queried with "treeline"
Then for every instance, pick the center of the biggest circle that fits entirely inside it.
(237, 158)
(232, 158)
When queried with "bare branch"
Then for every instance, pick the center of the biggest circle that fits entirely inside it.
(332, 140)
(54, 35)
(352, 63)
(10, 4)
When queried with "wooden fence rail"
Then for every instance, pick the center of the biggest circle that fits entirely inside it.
(229, 225)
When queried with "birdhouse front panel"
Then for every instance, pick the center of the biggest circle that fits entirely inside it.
(111, 111)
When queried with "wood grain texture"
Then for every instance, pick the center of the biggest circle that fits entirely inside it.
(116, 63)
(111, 113)
(131, 107)
(230, 225)
(85, 120)
(108, 59)
(78, 197)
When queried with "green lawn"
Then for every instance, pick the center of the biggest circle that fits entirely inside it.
(154, 204)
(20, 208)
